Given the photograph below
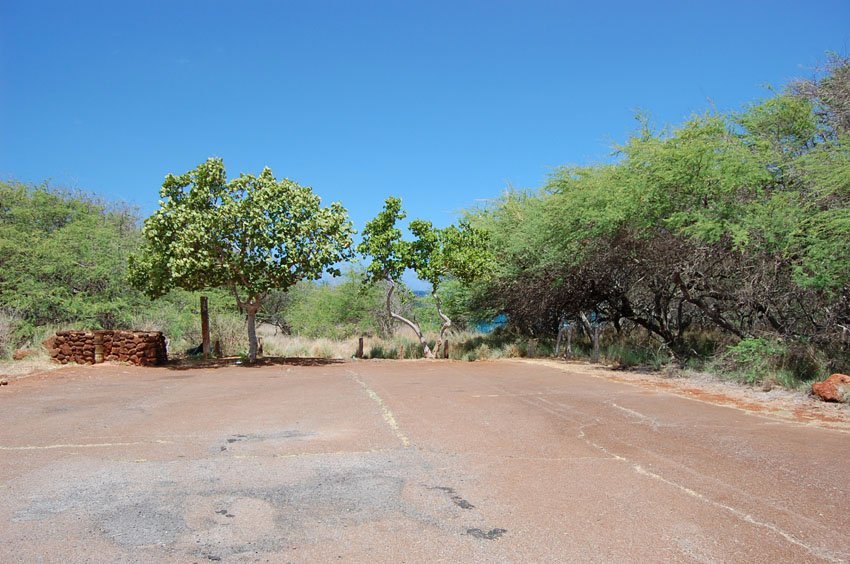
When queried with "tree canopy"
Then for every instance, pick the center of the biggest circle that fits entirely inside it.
(735, 222)
(458, 252)
(64, 258)
(251, 235)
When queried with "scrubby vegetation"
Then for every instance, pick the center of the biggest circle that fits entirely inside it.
(724, 239)
(722, 244)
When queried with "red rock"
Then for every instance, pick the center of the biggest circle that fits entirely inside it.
(834, 388)
(21, 354)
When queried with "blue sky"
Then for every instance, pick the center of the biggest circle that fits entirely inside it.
(441, 103)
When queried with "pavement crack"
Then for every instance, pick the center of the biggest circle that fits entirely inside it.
(644, 419)
(740, 514)
(386, 412)
(637, 468)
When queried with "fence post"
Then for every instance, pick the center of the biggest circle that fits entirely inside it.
(595, 357)
(205, 326)
(359, 348)
(98, 347)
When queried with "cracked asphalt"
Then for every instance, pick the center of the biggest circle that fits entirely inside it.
(408, 461)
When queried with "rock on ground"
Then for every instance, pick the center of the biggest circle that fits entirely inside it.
(834, 388)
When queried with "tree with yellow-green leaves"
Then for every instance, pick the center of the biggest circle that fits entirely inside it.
(250, 235)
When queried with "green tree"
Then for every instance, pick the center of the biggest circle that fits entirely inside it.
(250, 235)
(457, 251)
(64, 258)
(390, 257)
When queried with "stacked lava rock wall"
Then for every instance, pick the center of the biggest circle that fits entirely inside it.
(90, 347)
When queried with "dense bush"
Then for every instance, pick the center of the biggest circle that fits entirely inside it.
(64, 259)
(8, 328)
(735, 226)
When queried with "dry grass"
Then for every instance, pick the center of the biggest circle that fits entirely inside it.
(38, 362)
(292, 346)
(463, 346)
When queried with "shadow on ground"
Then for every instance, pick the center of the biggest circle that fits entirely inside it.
(195, 363)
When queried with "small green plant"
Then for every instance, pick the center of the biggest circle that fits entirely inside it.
(758, 359)
(8, 325)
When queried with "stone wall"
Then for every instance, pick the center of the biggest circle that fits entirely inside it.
(89, 347)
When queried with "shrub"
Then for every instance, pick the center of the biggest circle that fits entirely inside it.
(8, 326)
(756, 359)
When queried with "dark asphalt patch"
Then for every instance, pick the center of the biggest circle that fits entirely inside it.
(492, 534)
(456, 499)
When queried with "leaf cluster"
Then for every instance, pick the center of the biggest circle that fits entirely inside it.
(458, 251)
(251, 234)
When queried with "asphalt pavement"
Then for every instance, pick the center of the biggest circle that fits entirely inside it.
(408, 461)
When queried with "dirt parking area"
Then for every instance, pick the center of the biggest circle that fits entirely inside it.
(410, 461)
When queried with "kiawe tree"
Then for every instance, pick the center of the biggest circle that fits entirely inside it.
(251, 235)
(434, 254)
(390, 257)
(459, 252)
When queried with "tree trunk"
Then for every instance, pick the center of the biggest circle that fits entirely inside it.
(251, 310)
(594, 358)
(443, 328)
(560, 338)
(426, 351)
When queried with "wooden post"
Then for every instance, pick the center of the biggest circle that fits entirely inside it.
(98, 347)
(531, 352)
(359, 348)
(446, 348)
(595, 357)
(205, 326)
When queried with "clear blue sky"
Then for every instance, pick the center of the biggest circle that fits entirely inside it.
(441, 103)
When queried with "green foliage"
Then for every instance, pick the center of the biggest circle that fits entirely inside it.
(434, 254)
(177, 315)
(730, 224)
(758, 359)
(756, 354)
(457, 251)
(8, 329)
(382, 242)
(64, 259)
(337, 311)
(250, 235)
